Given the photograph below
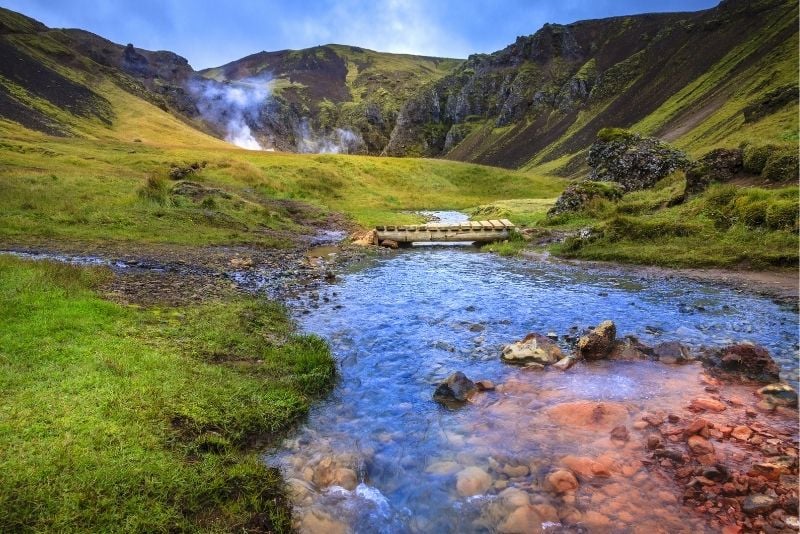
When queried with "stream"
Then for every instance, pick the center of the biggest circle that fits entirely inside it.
(378, 455)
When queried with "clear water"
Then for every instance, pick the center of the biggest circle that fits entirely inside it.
(408, 321)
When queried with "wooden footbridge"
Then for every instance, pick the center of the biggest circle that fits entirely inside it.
(476, 231)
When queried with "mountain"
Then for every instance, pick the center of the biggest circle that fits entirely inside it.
(695, 79)
(699, 80)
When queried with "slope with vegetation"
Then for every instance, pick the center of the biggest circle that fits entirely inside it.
(699, 80)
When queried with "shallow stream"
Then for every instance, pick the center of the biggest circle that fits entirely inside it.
(402, 324)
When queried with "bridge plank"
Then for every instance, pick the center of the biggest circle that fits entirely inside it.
(465, 226)
(486, 225)
(507, 223)
(475, 225)
(496, 224)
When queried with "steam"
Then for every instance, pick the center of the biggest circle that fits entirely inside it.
(233, 106)
(339, 141)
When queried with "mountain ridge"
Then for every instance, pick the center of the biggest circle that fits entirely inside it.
(688, 77)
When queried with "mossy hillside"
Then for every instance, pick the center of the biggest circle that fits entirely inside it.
(116, 419)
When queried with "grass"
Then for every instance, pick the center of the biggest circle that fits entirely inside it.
(726, 226)
(91, 190)
(139, 420)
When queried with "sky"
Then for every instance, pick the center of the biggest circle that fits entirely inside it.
(210, 33)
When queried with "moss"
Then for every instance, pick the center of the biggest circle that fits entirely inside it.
(782, 166)
(607, 135)
(755, 157)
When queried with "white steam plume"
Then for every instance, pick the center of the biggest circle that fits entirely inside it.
(340, 141)
(233, 106)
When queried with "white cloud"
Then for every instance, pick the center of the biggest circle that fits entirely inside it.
(400, 26)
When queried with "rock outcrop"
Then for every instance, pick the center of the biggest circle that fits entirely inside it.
(534, 349)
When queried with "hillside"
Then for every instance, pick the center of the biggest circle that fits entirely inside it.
(699, 80)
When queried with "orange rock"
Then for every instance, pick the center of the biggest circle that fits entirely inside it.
(742, 433)
(598, 416)
(698, 426)
(472, 481)
(547, 513)
(700, 445)
(667, 497)
(704, 403)
(625, 517)
(562, 481)
(585, 467)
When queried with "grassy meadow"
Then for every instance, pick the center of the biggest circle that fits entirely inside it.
(142, 420)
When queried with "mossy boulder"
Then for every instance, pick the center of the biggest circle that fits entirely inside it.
(577, 196)
(775, 163)
(719, 165)
(633, 161)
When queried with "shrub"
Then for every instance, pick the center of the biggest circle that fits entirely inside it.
(156, 190)
(782, 214)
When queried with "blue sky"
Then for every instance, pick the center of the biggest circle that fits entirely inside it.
(212, 32)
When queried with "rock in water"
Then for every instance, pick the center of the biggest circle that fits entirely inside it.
(535, 348)
(456, 388)
(671, 352)
(778, 395)
(744, 360)
(390, 243)
(598, 343)
(472, 481)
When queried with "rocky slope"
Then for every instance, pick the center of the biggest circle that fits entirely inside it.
(692, 78)
(699, 80)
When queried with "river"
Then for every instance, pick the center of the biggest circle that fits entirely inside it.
(401, 324)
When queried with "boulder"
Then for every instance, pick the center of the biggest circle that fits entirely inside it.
(630, 348)
(671, 352)
(598, 344)
(390, 243)
(633, 161)
(719, 165)
(456, 388)
(576, 196)
(744, 361)
(565, 363)
(365, 239)
(535, 348)
(778, 395)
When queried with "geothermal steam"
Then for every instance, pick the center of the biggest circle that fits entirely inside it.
(233, 106)
(339, 141)
(237, 106)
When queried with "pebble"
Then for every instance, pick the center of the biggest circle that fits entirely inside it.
(562, 481)
(472, 481)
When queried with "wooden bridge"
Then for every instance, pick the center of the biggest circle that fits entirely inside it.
(476, 231)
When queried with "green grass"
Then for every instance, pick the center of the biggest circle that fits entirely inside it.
(726, 226)
(522, 211)
(91, 190)
(121, 419)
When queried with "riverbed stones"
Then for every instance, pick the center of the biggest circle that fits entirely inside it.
(598, 344)
(534, 349)
(472, 481)
(562, 481)
(700, 445)
(513, 498)
(485, 385)
(742, 433)
(586, 468)
(456, 388)
(704, 403)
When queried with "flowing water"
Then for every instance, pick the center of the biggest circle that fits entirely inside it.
(404, 323)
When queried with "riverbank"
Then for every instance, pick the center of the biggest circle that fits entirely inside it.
(145, 418)
(782, 285)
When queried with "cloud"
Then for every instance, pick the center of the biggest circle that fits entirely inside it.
(400, 26)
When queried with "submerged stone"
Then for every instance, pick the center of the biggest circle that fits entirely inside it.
(534, 349)
(457, 388)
